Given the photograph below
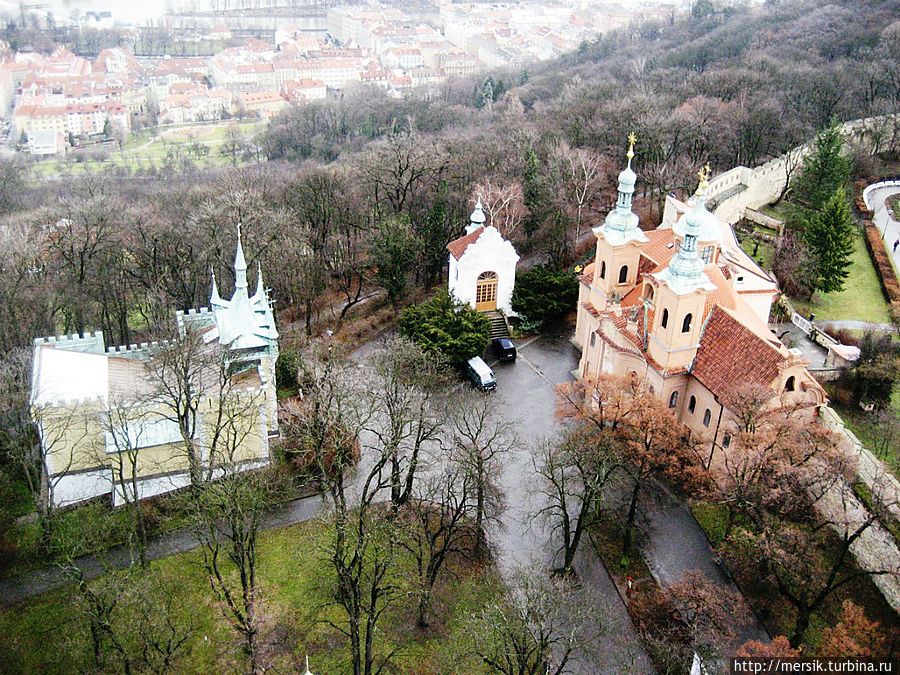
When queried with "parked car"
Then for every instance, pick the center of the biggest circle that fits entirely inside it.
(504, 349)
(481, 374)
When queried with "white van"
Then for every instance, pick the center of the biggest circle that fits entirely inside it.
(481, 374)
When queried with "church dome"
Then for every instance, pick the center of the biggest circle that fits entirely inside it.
(699, 220)
(628, 177)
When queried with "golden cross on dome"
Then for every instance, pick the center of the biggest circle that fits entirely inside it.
(632, 139)
(704, 173)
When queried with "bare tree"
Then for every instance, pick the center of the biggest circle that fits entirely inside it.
(802, 518)
(503, 204)
(227, 516)
(198, 386)
(407, 416)
(650, 441)
(481, 439)
(363, 545)
(538, 629)
(584, 173)
(132, 620)
(118, 449)
(712, 613)
(437, 526)
(575, 472)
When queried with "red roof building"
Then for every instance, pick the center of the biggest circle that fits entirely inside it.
(684, 309)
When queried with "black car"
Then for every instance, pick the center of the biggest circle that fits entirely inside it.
(504, 349)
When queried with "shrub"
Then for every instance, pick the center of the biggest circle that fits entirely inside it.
(542, 294)
(286, 370)
(447, 327)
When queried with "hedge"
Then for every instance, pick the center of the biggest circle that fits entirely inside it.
(885, 269)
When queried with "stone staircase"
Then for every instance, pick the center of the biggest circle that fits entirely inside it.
(499, 327)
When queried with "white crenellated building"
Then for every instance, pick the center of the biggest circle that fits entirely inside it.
(103, 414)
(482, 269)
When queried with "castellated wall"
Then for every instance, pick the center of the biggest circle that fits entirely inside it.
(734, 191)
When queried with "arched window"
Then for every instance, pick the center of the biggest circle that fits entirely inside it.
(692, 404)
(686, 324)
(665, 319)
(726, 441)
(706, 253)
(602, 269)
(623, 274)
(789, 385)
(673, 399)
(707, 416)
(648, 292)
(652, 390)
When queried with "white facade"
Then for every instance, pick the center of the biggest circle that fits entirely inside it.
(482, 250)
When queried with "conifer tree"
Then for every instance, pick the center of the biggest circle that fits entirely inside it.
(829, 237)
(825, 169)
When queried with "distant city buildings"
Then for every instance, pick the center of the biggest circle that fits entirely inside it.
(61, 99)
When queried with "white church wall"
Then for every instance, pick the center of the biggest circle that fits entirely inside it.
(489, 253)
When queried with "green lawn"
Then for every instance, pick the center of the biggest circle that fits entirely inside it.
(861, 299)
(144, 149)
(44, 634)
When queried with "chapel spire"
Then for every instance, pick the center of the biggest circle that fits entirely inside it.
(477, 218)
(240, 266)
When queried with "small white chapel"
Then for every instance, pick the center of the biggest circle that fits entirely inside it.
(482, 266)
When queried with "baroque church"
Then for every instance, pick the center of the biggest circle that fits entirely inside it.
(103, 413)
(684, 309)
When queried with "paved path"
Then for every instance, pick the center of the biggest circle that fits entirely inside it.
(884, 220)
(675, 544)
(38, 581)
(525, 392)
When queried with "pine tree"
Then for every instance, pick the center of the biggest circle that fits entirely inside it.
(829, 236)
(825, 169)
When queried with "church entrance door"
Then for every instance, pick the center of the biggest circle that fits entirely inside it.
(486, 292)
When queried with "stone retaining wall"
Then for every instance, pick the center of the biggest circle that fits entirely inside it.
(766, 183)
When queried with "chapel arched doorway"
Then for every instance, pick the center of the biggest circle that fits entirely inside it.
(486, 292)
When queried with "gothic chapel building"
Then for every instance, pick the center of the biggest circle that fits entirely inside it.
(685, 309)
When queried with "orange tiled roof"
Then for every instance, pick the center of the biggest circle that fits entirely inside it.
(661, 246)
(730, 353)
(458, 246)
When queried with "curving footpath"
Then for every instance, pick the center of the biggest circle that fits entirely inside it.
(875, 197)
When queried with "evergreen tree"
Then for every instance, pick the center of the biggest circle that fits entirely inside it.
(829, 237)
(394, 248)
(448, 327)
(534, 198)
(543, 293)
(702, 8)
(485, 94)
(825, 169)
